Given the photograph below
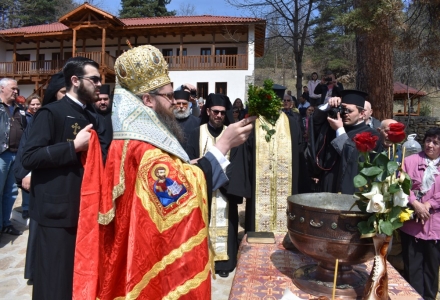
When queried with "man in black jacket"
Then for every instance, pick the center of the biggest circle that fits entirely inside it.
(328, 87)
(59, 135)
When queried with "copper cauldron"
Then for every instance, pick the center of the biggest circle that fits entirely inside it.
(322, 226)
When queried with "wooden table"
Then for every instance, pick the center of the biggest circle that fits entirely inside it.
(264, 271)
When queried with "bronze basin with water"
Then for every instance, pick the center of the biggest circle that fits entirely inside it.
(322, 226)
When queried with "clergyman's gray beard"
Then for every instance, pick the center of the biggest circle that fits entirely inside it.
(170, 122)
(181, 114)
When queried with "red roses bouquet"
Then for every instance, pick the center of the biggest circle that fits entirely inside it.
(263, 102)
(383, 185)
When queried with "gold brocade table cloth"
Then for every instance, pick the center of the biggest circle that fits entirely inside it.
(264, 271)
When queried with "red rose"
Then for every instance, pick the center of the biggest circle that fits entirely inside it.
(269, 97)
(365, 141)
(396, 133)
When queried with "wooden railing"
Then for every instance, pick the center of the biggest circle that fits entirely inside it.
(9, 69)
(109, 61)
(208, 62)
(175, 63)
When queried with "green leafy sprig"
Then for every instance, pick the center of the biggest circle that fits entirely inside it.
(264, 102)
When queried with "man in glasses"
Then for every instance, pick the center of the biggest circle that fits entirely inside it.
(224, 211)
(289, 107)
(335, 125)
(150, 248)
(184, 117)
(59, 135)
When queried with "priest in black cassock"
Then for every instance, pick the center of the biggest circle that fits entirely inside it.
(186, 120)
(223, 225)
(335, 152)
(103, 107)
(59, 135)
(266, 173)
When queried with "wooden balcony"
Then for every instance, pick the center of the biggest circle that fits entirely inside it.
(43, 68)
(207, 62)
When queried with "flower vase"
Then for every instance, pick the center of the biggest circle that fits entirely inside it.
(376, 287)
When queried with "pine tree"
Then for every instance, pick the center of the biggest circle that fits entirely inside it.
(144, 8)
(8, 11)
(35, 12)
(333, 45)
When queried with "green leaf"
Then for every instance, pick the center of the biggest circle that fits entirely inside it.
(371, 219)
(382, 176)
(397, 224)
(381, 160)
(267, 137)
(372, 171)
(394, 188)
(406, 184)
(394, 213)
(386, 227)
(365, 228)
(359, 181)
(392, 167)
(362, 205)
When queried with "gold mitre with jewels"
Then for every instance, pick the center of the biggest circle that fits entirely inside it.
(142, 69)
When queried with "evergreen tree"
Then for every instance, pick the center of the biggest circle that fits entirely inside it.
(35, 12)
(8, 11)
(333, 45)
(144, 8)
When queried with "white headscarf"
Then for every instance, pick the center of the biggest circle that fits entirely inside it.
(429, 175)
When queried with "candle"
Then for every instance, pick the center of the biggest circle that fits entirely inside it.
(334, 279)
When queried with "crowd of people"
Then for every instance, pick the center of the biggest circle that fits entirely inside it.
(124, 187)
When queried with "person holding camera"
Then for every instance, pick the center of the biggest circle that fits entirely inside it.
(332, 156)
(194, 108)
(328, 87)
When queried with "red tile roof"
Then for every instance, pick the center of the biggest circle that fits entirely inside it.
(402, 89)
(46, 28)
(133, 22)
(181, 20)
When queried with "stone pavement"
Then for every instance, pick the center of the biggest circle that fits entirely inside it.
(12, 260)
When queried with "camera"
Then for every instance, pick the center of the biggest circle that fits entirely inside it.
(333, 112)
(329, 80)
(193, 93)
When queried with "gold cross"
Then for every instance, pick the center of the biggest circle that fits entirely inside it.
(75, 128)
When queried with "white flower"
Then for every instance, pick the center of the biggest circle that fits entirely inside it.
(376, 204)
(400, 198)
(375, 189)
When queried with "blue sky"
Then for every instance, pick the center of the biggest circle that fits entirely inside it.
(202, 7)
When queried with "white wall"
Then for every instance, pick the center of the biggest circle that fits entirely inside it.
(236, 80)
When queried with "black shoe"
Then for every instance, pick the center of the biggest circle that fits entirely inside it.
(11, 230)
(25, 214)
(223, 274)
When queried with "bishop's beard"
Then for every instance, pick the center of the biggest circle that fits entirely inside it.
(168, 119)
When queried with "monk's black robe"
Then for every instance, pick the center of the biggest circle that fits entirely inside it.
(337, 156)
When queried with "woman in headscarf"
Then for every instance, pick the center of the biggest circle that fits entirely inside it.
(421, 236)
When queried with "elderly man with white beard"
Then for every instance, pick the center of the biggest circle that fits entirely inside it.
(183, 115)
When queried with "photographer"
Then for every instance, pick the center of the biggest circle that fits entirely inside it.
(334, 161)
(328, 87)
